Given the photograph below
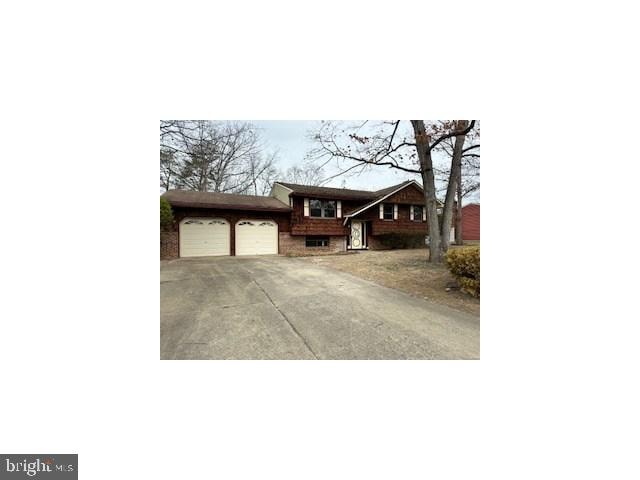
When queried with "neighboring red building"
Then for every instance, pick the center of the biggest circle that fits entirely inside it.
(471, 222)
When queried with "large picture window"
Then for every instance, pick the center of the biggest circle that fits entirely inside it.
(387, 211)
(417, 213)
(322, 208)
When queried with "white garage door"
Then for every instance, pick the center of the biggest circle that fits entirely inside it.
(204, 237)
(256, 237)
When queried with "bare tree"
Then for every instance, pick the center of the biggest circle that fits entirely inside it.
(468, 179)
(213, 156)
(269, 176)
(455, 176)
(167, 169)
(391, 144)
(309, 173)
(262, 172)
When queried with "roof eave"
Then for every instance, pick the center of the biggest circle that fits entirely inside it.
(219, 206)
(377, 201)
(335, 196)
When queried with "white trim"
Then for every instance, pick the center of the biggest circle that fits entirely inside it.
(274, 183)
(424, 213)
(306, 207)
(338, 209)
(381, 211)
(381, 199)
(411, 212)
(395, 211)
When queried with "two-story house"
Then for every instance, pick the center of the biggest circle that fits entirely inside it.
(292, 219)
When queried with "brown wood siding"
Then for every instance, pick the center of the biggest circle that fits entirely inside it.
(403, 224)
(409, 195)
(471, 222)
(301, 225)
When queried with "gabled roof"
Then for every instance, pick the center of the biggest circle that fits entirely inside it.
(186, 198)
(340, 193)
(384, 194)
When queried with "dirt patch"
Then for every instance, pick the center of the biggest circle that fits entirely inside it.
(405, 270)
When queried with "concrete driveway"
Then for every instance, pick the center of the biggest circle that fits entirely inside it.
(284, 308)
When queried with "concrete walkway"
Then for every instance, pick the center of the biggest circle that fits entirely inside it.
(273, 307)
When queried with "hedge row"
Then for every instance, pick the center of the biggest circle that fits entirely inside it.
(464, 263)
(401, 240)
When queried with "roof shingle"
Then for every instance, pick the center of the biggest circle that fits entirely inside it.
(340, 193)
(186, 198)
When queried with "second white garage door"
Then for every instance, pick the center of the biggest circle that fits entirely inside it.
(256, 237)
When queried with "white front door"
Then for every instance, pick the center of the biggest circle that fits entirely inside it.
(357, 235)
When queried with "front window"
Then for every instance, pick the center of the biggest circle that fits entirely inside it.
(322, 208)
(329, 209)
(315, 208)
(387, 211)
(316, 242)
(417, 213)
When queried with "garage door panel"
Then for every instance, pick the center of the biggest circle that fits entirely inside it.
(256, 237)
(204, 237)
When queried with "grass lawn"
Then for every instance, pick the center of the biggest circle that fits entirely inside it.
(405, 270)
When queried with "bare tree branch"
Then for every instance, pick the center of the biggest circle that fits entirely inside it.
(391, 145)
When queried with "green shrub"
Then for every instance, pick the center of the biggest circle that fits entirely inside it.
(464, 263)
(402, 240)
(166, 215)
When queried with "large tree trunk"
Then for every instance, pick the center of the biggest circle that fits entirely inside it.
(454, 176)
(459, 212)
(429, 183)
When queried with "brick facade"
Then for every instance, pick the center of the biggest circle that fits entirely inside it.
(295, 245)
(169, 245)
